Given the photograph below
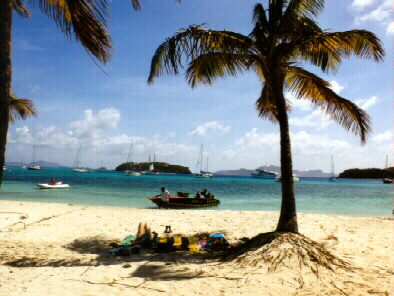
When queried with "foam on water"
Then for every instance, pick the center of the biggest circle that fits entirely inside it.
(314, 195)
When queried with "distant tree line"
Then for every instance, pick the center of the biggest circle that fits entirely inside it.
(159, 167)
(371, 173)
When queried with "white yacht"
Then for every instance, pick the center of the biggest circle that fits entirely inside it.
(263, 174)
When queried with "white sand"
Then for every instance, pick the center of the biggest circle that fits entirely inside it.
(60, 249)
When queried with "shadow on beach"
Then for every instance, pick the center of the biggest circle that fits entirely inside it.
(93, 251)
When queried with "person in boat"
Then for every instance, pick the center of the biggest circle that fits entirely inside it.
(164, 195)
(204, 194)
(52, 181)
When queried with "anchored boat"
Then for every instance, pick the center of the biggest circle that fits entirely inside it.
(179, 202)
(58, 185)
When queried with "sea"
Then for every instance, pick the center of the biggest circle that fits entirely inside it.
(349, 197)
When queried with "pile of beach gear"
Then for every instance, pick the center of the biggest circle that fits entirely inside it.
(171, 243)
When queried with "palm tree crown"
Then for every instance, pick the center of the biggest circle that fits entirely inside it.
(284, 37)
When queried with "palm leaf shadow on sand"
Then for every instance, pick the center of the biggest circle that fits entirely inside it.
(166, 273)
(97, 246)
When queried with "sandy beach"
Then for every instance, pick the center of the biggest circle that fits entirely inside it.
(60, 249)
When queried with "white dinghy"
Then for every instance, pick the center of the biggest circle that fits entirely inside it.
(58, 185)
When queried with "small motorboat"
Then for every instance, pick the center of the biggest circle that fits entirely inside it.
(132, 173)
(58, 185)
(34, 168)
(387, 181)
(179, 202)
(80, 170)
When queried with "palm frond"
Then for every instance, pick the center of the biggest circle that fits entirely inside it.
(303, 8)
(326, 50)
(188, 44)
(21, 9)
(21, 108)
(260, 17)
(266, 107)
(207, 67)
(305, 85)
(84, 19)
(136, 4)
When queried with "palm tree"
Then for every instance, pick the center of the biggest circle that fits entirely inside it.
(284, 36)
(21, 108)
(86, 20)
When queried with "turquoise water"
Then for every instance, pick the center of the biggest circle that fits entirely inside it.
(314, 195)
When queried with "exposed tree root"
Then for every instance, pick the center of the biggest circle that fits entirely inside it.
(275, 250)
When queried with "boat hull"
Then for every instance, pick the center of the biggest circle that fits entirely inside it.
(273, 177)
(80, 170)
(178, 202)
(57, 186)
(34, 168)
(134, 174)
(387, 181)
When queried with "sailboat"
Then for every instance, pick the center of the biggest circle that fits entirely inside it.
(131, 172)
(387, 180)
(332, 178)
(77, 162)
(34, 167)
(202, 174)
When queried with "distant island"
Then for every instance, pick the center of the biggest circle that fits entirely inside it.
(159, 167)
(273, 168)
(371, 173)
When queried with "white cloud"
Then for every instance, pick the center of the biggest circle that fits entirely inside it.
(362, 4)
(367, 103)
(380, 12)
(390, 28)
(256, 148)
(209, 128)
(26, 45)
(91, 125)
(315, 119)
(336, 87)
(91, 132)
(386, 136)
(309, 151)
(300, 104)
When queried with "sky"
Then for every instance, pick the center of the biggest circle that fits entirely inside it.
(105, 108)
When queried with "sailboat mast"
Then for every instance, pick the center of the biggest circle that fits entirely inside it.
(387, 162)
(332, 165)
(201, 158)
(34, 153)
(207, 165)
(129, 156)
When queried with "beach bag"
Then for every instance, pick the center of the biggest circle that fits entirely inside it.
(217, 242)
(128, 240)
(165, 245)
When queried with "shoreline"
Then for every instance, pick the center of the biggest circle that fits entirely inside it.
(63, 249)
(214, 209)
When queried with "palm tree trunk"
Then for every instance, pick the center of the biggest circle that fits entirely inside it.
(6, 9)
(288, 214)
